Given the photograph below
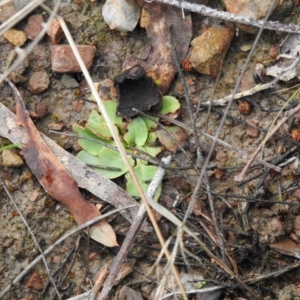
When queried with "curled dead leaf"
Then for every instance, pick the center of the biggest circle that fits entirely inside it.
(57, 181)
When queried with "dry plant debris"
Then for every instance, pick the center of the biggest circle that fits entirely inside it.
(243, 243)
(57, 182)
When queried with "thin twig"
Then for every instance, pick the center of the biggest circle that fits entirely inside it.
(252, 91)
(273, 274)
(223, 101)
(133, 230)
(195, 291)
(226, 16)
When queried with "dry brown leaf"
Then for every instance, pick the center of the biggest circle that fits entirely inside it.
(84, 176)
(57, 181)
(168, 139)
(160, 65)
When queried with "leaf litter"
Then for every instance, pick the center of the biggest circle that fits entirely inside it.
(57, 182)
(227, 159)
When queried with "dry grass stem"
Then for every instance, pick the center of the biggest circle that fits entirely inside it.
(212, 228)
(133, 230)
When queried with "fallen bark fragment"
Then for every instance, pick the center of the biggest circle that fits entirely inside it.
(160, 65)
(56, 180)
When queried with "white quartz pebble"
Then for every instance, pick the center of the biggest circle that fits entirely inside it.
(121, 15)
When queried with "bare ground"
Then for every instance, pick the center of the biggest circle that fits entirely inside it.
(269, 220)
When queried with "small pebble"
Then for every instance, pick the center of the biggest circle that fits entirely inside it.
(219, 174)
(209, 50)
(55, 32)
(69, 82)
(38, 82)
(252, 132)
(35, 281)
(64, 61)
(15, 37)
(145, 19)
(41, 109)
(55, 126)
(11, 159)
(121, 15)
(34, 26)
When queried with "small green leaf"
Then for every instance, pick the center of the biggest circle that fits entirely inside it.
(97, 125)
(106, 158)
(152, 150)
(150, 124)
(11, 146)
(88, 158)
(144, 175)
(90, 146)
(137, 133)
(111, 108)
(200, 284)
(152, 137)
(111, 158)
(166, 138)
(169, 105)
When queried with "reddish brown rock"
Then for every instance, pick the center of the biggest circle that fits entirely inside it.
(297, 226)
(244, 107)
(38, 82)
(55, 32)
(77, 105)
(209, 50)
(41, 109)
(35, 281)
(64, 61)
(274, 51)
(34, 26)
(219, 174)
(252, 132)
